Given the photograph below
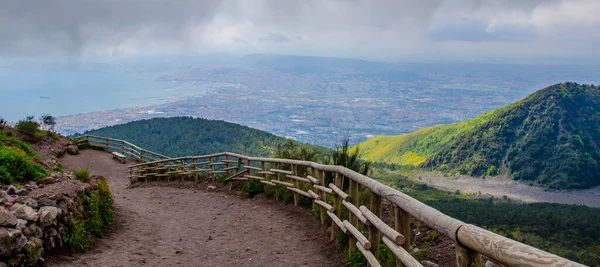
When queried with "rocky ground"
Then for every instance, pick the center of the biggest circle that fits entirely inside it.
(188, 225)
(34, 219)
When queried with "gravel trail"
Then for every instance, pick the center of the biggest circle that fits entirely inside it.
(177, 226)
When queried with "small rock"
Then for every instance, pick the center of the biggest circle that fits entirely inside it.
(8, 219)
(24, 212)
(21, 224)
(72, 150)
(22, 192)
(50, 231)
(35, 230)
(489, 264)
(11, 190)
(47, 202)
(211, 187)
(18, 239)
(3, 194)
(7, 199)
(416, 250)
(58, 153)
(31, 203)
(48, 215)
(48, 180)
(5, 242)
(429, 264)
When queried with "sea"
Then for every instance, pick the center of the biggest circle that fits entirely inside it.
(60, 93)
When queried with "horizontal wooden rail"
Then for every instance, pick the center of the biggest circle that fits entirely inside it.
(471, 241)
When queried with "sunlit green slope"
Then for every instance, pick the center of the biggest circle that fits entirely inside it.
(550, 138)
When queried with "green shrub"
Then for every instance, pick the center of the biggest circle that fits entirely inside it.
(82, 175)
(15, 142)
(28, 127)
(17, 167)
(221, 177)
(93, 219)
(492, 171)
(105, 203)
(31, 255)
(356, 259)
(253, 187)
(59, 168)
(98, 211)
(78, 237)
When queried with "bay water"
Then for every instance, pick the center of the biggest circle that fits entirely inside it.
(60, 93)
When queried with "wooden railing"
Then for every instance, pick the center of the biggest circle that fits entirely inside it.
(129, 150)
(335, 190)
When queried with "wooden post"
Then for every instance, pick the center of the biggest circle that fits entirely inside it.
(276, 177)
(322, 195)
(296, 195)
(374, 236)
(123, 149)
(263, 168)
(227, 164)
(195, 170)
(466, 257)
(337, 204)
(353, 219)
(212, 169)
(402, 226)
(183, 168)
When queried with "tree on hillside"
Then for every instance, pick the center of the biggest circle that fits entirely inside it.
(48, 121)
(28, 127)
(350, 158)
(292, 150)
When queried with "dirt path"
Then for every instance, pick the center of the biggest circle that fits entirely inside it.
(169, 226)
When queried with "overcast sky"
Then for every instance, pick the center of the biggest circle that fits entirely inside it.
(379, 29)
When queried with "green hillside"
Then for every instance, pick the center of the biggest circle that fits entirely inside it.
(19, 163)
(185, 136)
(550, 138)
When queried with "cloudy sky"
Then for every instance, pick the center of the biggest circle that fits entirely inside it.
(379, 29)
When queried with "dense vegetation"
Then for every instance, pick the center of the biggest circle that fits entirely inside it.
(96, 211)
(18, 161)
(185, 136)
(551, 138)
(570, 231)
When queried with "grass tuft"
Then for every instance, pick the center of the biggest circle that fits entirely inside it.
(82, 175)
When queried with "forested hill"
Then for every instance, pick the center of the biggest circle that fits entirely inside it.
(187, 136)
(550, 138)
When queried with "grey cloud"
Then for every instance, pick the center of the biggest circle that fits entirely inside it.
(476, 31)
(75, 27)
(275, 37)
(38, 27)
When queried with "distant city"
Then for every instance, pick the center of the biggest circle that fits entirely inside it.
(324, 100)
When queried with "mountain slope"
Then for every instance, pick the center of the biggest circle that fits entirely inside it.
(186, 136)
(550, 138)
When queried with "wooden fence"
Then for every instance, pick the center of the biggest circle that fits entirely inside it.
(335, 190)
